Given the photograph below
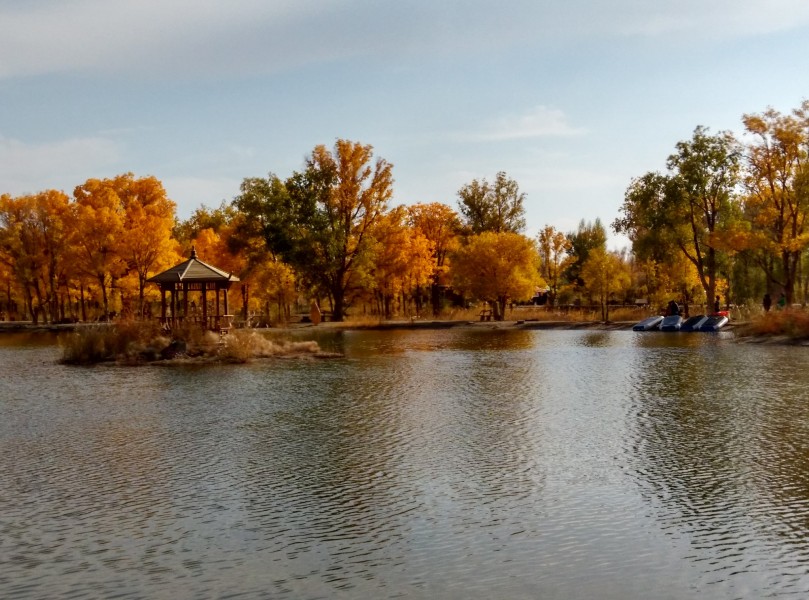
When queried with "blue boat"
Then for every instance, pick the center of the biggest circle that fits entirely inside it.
(671, 323)
(694, 323)
(649, 324)
(714, 323)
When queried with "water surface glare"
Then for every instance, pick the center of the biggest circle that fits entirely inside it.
(424, 464)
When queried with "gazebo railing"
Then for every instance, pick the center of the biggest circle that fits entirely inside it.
(219, 323)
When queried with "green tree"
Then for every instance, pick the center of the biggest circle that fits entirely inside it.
(706, 170)
(320, 220)
(687, 208)
(496, 207)
(645, 219)
(588, 237)
(204, 217)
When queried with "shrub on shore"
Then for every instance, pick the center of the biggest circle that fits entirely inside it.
(138, 342)
(100, 343)
(242, 345)
(792, 323)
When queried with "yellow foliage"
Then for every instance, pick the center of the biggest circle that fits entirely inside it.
(403, 257)
(497, 266)
(272, 282)
(212, 248)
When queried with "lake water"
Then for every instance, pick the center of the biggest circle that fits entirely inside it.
(459, 463)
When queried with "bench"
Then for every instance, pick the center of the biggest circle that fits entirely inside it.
(485, 314)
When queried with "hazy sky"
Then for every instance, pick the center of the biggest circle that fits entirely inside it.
(571, 98)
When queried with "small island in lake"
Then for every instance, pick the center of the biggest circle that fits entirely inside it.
(135, 343)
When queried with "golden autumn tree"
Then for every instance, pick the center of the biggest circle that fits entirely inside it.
(53, 213)
(497, 267)
(605, 274)
(98, 227)
(777, 200)
(402, 261)
(19, 247)
(555, 258)
(33, 240)
(146, 243)
(273, 283)
(440, 225)
(212, 247)
(8, 289)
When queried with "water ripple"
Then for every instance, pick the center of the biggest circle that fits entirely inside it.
(444, 464)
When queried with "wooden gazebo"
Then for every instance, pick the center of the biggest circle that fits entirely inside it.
(198, 277)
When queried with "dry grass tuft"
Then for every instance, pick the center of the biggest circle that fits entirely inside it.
(363, 320)
(242, 345)
(792, 323)
(138, 342)
(126, 340)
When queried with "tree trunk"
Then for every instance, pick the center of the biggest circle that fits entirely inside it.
(435, 298)
(141, 295)
(500, 309)
(29, 303)
(337, 305)
(83, 304)
(104, 299)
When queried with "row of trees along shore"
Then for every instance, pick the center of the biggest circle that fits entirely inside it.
(726, 218)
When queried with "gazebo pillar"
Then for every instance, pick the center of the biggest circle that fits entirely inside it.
(218, 321)
(204, 305)
(185, 301)
(173, 305)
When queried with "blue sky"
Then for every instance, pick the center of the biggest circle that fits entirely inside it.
(572, 99)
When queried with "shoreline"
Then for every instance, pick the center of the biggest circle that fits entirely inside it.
(27, 326)
(19, 327)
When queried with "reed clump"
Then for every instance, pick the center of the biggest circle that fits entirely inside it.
(243, 345)
(101, 343)
(792, 323)
(140, 342)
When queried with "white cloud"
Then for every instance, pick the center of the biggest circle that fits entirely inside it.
(180, 38)
(151, 36)
(718, 18)
(539, 121)
(28, 168)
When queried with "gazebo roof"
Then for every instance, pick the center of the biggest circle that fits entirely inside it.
(193, 270)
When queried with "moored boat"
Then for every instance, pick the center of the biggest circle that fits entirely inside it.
(693, 323)
(714, 323)
(649, 324)
(671, 323)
